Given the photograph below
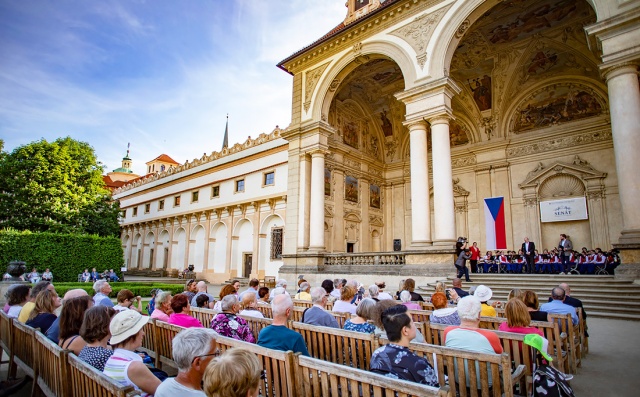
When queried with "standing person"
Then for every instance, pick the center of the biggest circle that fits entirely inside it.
(475, 256)
(461, 264)
(529, 252)
(565, 247)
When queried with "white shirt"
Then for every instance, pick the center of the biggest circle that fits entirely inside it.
(344, 307)
(384, 296)
(171, 388)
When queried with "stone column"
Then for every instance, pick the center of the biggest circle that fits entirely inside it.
(316, 216)
(304, 202)
(624, 104)
(420, 213)
(444, 215)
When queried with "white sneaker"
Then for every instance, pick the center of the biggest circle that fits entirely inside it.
(562, 273)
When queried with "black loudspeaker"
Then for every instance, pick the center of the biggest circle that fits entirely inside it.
(397, 245)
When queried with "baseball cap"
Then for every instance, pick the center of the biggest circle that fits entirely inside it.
(540, 343)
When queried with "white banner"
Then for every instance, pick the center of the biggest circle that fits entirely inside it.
(564, 210)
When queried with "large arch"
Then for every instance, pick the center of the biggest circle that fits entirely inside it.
(196, 248)
(242, 249)
(149, 251)
(162, 256)
(136, 253)
(326, 88)
(266, 263)
(179, 249)
(218, 247)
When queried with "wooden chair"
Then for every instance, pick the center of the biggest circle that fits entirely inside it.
(22, 338)
(164, 336)
(279, 367)
(353, 349)
(84, 380)
(469, 373)
(257, 324)
(571, 344)
(149, 340)
(6, 325)
(320, 378)
(204, 315)
(266, 310)
(51, 368)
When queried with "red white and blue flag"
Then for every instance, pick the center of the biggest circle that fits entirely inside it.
(495, 224)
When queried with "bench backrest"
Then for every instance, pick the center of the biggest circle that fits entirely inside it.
(420, 315)
(302, 303)
(204, 315)
(5, 332)
(571, 343)
(50, 367)
(149, 339)
(469, 373)
(164, 336)
(84, 380)
(427, 306)
(320, 378)
(278, 365)
(22, 337)
(265, 310)
(257, 324)
(353, 349)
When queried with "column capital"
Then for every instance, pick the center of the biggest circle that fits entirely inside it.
(317, 152)
(611, 71)
(415, 124)
(443, 118)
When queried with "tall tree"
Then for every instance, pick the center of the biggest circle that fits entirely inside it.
(53, 187)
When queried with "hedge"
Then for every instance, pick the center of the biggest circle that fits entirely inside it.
(138, 289)
(66, 255)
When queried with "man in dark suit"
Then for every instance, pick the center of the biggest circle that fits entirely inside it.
(529, 251)
(565, 247)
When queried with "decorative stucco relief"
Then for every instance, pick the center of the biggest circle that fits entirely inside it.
(311, 80)
(559, 143)
(463, 161)
(418, 33)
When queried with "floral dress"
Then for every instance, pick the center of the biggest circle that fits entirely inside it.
(367, 328)
(398, 362)
(232, 326)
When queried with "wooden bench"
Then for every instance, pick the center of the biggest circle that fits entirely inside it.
(50, 367)
(149, 340)
(584, 341)
(204, 315)
(353, 349)
(257, 324)
(22, 339)
(472, 370)
(571, 344)
(268, 281)
(84, 380)
(426, 306)
(6, 325)
(420, 315)
(266, 310)
(301, 303)
(279, 367)
(164, 336)
(321, 378)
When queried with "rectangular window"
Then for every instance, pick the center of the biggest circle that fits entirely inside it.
(269, 178)
(160, 205)
(147, 208)
(194, 196)
(240, 185)
(124, 214)
(276, 243)
(135, 211)
(176, 201)
(215, 191)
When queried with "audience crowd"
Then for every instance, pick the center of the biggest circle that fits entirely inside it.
(108, 337)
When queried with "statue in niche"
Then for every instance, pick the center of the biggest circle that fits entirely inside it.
(387, 127)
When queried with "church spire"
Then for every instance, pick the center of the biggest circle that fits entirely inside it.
(225, 141)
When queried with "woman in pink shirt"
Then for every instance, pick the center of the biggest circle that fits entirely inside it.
(405, 297)
(518, 319)
(163, 307)
(180, 315)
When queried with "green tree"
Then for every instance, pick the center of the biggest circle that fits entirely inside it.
(54, 187)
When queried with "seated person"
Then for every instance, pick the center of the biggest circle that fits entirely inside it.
(236, 373)
(125, 366)
(42, 315)
(85, 276)
(126, 301)
(484, 294)
(316, 314)
(557, 305)
(229, 324)
(17, 297)
(443, 314)
(468, 336)
(488, 263)
(518, 319)
(95, 276)
(405, 297)
(304, 292)
(95, 332)
(365, 312)
(113, 276)
(277, 336)
(395, 359)
(47, 275)
(193, 349)
(202, 301)
(180, 316)
(505, 263)
(34, 276)
(163, 306)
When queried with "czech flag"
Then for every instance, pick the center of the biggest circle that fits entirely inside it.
(494, 221)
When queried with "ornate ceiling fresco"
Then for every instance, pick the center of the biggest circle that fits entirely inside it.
(517, 45)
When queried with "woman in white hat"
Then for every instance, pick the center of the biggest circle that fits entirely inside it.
(484, 293)
(125, 365)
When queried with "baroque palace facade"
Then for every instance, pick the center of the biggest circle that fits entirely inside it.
(404, 118)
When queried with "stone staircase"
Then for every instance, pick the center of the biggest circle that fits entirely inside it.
(602, 296)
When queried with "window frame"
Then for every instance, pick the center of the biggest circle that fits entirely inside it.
(264, 178)
(176, 200)
(161, 205)
(213, 195)
(244, 185)
(195, 196)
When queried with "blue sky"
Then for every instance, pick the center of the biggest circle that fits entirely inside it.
(160, 74)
